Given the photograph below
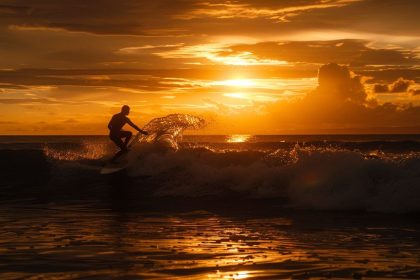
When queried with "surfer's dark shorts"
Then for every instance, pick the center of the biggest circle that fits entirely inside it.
(117, 136)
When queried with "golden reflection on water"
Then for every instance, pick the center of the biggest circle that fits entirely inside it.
(196, 245)
(239, 138)
(230, 275)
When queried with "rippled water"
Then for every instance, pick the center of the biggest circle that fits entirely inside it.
(211, 207)
(85, 241)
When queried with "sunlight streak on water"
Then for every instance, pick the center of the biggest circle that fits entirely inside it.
(239, 138)
(76, 241)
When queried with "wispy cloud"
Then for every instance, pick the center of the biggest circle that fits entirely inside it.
(232, 58)
(221, 54)
(248, 10)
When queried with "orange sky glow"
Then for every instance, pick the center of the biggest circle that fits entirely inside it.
(247, 67)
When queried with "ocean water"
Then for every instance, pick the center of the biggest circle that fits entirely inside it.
(210, 206)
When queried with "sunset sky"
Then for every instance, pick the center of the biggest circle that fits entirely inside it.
(251, 66)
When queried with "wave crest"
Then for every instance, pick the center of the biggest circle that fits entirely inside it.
(311, 177)
(306, 178)
(168, 130)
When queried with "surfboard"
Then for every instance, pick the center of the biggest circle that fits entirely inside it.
(110, 168)
(122, 162)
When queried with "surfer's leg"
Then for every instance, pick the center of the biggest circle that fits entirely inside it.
(117, 140)
(127, 135)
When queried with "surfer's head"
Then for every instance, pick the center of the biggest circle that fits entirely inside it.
(125, 110)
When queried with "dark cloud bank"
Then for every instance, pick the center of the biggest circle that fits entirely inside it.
(346, 51)
(398, 86)
(340, 104)
(170, 17)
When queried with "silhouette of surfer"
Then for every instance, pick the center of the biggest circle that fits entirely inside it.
(117, 134)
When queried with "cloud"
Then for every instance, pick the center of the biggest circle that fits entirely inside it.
(400, 85)
(368, 16)
(146, 80)
(98, 16)
(219, 53)
(106, 29)
(138, 79)
(11, 86)
(280, 11)
(148, 48)
(156, 18)
(7, 123)
(11, 10)
(190, 17)
(27, 101)
(100, 52)
(346, 51)
(340, 83)
(71, 121)
(415, 92)
(390, 74)
(380, 88)
(340, 104)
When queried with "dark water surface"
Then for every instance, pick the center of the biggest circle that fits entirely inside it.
(221, 207)
(87, 241)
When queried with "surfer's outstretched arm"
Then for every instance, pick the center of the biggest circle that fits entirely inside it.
(136, 127)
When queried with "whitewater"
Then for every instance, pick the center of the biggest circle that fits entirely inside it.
(369, 173)
(191, 206)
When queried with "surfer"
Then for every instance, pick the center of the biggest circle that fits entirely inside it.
(117, 134)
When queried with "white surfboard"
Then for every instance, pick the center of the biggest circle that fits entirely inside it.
(123, 161)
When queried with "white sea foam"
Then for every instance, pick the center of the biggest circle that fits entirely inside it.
(311, 177)
(315, 178)
(319, 179)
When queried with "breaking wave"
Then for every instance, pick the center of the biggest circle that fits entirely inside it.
(306, 176)
(169, 129)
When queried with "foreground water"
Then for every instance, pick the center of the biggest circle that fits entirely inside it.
(91, 241)
(212, 207)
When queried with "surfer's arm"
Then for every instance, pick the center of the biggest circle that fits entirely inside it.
(136, 127)
(110, 125)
